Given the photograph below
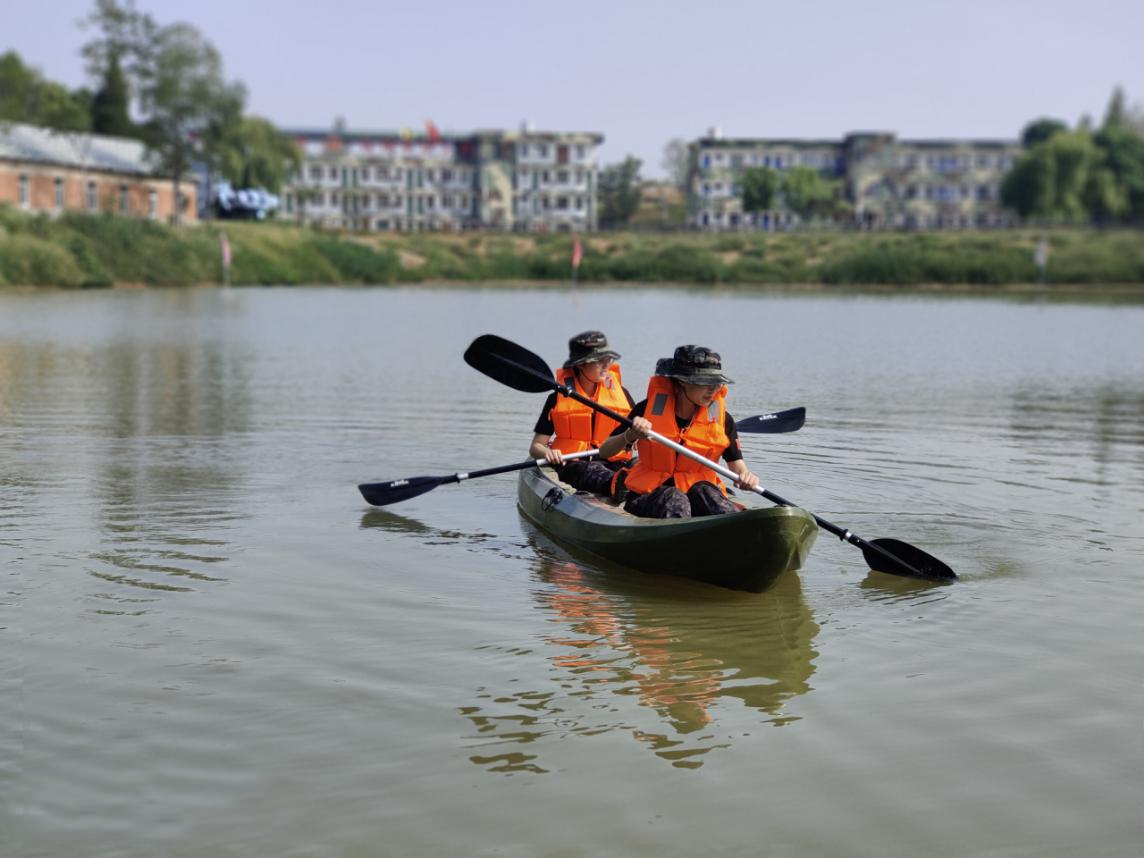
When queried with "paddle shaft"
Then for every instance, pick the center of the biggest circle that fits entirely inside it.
(841, 532)
(515, 466)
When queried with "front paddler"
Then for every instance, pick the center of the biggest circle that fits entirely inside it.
(688, 405)
(568, 426)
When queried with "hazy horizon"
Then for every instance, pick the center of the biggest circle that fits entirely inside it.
(642, 73)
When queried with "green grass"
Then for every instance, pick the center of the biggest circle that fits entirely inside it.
(79, 250)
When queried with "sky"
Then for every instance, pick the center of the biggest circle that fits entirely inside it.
(642, 73)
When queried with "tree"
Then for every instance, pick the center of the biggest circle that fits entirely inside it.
(676, 163)
(126, 37)
(182, 90)
(619, 192)
(26, 97)
(1063, 178)
(806, 193)
(109, 107)
(1040, 130)
(760, 188)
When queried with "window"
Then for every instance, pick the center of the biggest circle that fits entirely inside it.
(59, 193)
(92, 197)
(123, 199)
(315, 173)
(562, 203)
(152, 203)
(579, 203)
(524, 150)
(24, 189)
(580, 151)
(562, 176)
(542, 150)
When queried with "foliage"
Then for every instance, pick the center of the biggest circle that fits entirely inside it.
(619, 192)
(1040, 130)
(676, 162)
(26, 97)
(760, 188)
(109, 107)
(806, 192)
(252, 153)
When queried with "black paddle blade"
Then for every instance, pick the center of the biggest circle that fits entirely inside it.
(383, 494)
(790, 420)
(906, 560)
(508, 363)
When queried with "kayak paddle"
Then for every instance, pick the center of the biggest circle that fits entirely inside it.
(385, 493)
(520, 369)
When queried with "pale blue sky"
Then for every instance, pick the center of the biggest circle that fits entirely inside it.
(644, 72)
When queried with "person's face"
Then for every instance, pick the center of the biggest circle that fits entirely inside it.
(595, 370)
(700, 394)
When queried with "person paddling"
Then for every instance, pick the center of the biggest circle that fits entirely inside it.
(567, 426)
(688, 404)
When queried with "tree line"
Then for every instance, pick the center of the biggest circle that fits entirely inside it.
(163, 85)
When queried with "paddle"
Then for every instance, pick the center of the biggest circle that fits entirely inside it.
(518, 368)
(385, 493)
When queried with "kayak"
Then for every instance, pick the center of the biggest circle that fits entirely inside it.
(745, 550)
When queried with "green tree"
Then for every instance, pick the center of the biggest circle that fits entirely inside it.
(109, 107)
(676, 163)
(760, 187)
(619, 192)
(1040, 130)
(25, 96)
(806, 192)
(182, 90)
(256, 155)
(125, 37)
(1063, 178)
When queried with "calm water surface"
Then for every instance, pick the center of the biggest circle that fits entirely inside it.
(210, 646)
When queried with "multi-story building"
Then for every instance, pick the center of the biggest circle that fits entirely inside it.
(888, 183)
(382, 180)
(43, 170)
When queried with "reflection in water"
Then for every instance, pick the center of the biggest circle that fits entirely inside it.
(682, 650)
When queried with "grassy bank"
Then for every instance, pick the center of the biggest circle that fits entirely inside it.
(79, 250)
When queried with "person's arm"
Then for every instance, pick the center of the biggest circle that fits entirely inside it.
(544, 430)
(733, 456)
(623, 437)
(539, 449)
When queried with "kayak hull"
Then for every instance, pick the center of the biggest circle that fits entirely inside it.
(746, 550)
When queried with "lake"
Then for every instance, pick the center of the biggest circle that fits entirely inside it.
(210, 645)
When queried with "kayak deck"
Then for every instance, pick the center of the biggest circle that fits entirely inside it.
(746, 550)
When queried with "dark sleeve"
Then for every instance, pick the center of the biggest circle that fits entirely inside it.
(733, 453)
(637, 411)
(544, 423)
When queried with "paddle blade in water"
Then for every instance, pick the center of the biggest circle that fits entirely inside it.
(510, 364)
(383, 494)
(906, 560)
(790, 420)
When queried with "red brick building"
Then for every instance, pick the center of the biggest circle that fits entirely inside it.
(42, 170)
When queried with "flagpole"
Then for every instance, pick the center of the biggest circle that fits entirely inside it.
(224, 245)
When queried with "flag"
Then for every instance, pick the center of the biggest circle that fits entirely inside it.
(577, 252)
(225, 250)
(432, 131)
(406, 135)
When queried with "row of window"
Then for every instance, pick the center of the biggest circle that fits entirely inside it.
(355, 175)
(941, 163)
(446, 201)
(91, 197)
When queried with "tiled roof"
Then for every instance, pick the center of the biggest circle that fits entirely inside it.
(22, 142)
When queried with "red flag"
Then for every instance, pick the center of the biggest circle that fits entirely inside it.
(577, 252)
(431, 130)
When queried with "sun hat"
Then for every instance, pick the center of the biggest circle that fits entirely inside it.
(587, 347)
(693, 365)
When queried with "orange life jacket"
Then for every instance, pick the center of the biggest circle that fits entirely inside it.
(705, 435)
(572, 420)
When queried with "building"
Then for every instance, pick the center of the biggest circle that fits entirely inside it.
(43, 170)
(384, 180)
(888, 183)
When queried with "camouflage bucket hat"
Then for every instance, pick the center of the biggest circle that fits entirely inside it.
(694, 365)
(587, 347)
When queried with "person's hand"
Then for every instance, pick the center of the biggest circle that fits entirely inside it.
(553, 457)
(641, 428)
(747, 481)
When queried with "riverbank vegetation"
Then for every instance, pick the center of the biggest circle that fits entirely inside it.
(81, 250)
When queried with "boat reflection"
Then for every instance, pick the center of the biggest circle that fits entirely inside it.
(692, 654)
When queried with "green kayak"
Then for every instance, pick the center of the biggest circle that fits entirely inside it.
(746, 550)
